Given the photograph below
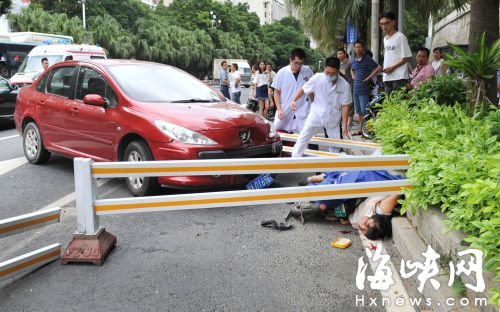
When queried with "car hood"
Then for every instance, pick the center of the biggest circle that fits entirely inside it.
(200, 116)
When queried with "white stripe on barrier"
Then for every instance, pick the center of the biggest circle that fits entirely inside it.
(27, 221)
(248, 166)
(248, 197)
(29, 262)
(308, 152)
(333, 142)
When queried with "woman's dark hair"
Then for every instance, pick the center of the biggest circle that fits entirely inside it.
(255, 67)
(260, 71)
(382, 228)
(235, 66)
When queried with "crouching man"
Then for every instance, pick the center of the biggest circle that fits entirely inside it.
(332, 96)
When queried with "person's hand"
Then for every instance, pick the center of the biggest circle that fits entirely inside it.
(294, 105)
(346, 132)
(389, 69)
(280, 113)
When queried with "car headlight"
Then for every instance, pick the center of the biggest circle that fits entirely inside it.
(182, 134)
(272, 128)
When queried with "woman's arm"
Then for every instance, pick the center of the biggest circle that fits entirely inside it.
(388, 204)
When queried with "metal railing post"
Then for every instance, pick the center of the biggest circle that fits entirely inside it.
(85, 191)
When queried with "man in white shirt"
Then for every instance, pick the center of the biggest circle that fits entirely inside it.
(286, 83)
(234, 84)
(396, 54)
(332, 96)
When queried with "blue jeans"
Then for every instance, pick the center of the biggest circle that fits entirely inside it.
(225, 91)
(235, 97)
(360, 103)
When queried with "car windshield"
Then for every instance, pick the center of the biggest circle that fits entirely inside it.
(160, 83)
(33, 64)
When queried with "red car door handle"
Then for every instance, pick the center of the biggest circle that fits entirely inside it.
(74, 110)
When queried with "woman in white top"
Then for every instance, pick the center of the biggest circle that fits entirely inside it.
(261, 93)
(373, 216)
(439, 67)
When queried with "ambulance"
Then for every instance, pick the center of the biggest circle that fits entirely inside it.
(31, 67)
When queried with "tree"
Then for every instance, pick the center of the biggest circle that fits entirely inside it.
(5, 6)
(484, 19)
(325, 18)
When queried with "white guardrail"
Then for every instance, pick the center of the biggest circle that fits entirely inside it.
(87, 172)
(35, 259)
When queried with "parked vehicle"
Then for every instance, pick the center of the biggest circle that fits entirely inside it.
(98, 109)
(31, 67)
(8, 95)
(243, 68)
(372, 108)
(14, 47)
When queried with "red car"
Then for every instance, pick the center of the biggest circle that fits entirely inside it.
(120, 110)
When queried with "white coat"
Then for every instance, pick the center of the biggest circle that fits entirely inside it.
(285, 82)
(326, 110)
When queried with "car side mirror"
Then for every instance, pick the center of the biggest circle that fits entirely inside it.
(95, 99)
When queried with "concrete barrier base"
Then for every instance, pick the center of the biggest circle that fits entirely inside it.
(89, 248)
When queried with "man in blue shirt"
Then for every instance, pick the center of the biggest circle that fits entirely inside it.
(224, 80)
(363, 69)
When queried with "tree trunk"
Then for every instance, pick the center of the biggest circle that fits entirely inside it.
(393, 6)
(484, 18)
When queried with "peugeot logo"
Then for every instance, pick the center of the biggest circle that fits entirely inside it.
(244, 136)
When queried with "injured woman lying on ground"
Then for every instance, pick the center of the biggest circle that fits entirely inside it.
(372, 215)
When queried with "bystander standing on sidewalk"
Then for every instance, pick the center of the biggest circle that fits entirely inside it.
(396, 54)
(287, 82)
(332, 96)
(234, 84)
(224, 80)
(271, 74)
(261, 93)
(423, 71)
(364, 69)
(345, 70)
(438, 63)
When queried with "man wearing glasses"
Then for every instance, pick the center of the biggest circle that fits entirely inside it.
(396, 54)
(287, 82)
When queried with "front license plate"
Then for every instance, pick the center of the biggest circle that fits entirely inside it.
(262, 181)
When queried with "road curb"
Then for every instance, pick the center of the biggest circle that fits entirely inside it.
(428, 224)
(411, 247)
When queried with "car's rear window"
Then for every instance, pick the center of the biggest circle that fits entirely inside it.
(160, 83)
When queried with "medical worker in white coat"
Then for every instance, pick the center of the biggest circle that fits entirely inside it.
(332, 96)
(286, 83)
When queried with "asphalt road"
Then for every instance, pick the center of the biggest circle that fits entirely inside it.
(199, 260)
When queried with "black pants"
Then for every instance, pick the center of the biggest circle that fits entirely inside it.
(394, 85)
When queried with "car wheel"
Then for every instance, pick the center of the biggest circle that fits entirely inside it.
(34, 150)
(140, 186)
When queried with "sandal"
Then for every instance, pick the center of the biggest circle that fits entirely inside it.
(282, 226)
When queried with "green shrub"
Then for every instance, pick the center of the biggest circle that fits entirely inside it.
(444, 89)
(455, 164)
